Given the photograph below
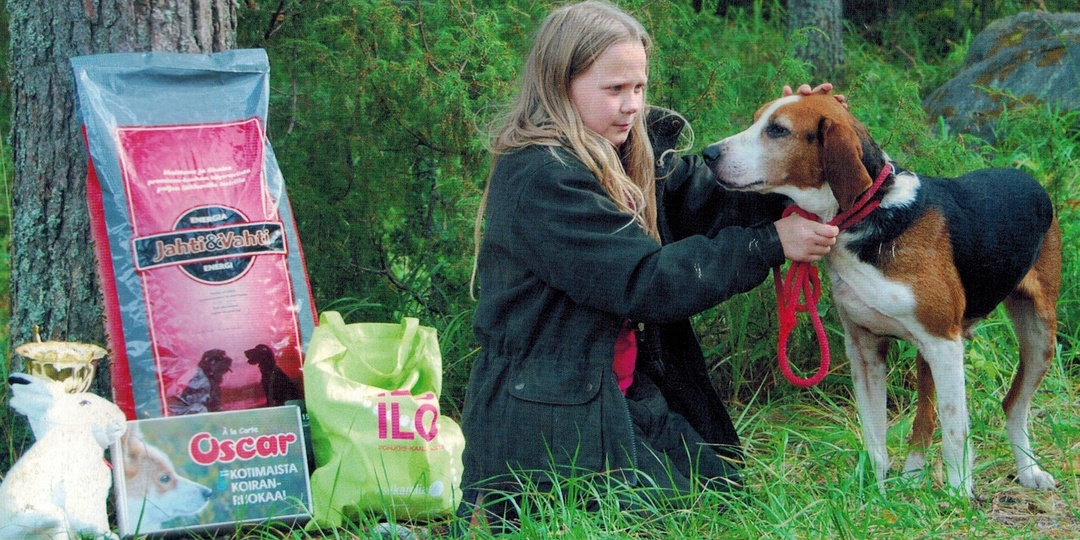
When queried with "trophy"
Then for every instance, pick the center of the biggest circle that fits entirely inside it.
(70, 363)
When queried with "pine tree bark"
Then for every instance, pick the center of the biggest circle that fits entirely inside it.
(54, 282)
(820, 23)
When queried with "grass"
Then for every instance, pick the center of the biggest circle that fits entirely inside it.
(807, 477)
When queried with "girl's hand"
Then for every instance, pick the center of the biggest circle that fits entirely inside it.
(823, 88)
(805, 240)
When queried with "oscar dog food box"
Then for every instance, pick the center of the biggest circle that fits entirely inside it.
(211, 471)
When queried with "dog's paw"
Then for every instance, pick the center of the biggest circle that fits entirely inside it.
(915, 465)
(1036, 478)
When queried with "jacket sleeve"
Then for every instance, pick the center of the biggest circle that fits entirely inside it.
(693, 201)
(574, 238)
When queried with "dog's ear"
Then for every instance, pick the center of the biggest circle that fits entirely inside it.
(133, 448)
(841, 160)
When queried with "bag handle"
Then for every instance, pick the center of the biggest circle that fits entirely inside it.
(395, 371)
(409, 326)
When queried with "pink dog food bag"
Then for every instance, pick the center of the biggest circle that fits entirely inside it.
(207, 300)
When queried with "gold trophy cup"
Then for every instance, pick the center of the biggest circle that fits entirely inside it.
(67, 362)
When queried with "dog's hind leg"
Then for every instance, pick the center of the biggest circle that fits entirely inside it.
(1033, 310)
(866, 352)
(922, 427)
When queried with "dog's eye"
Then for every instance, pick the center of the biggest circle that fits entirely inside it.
(165, 479)
(775, 131)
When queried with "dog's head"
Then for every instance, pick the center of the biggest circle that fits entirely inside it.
(215, 363)
(809, 148)
(156, 492)
(260, 355)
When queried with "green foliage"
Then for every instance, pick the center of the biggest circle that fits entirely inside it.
(378, 118)
(377, 108)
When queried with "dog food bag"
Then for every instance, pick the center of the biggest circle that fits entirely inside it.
(207, 300)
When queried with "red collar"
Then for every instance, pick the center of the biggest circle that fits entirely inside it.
(858, 211)
(864, 205)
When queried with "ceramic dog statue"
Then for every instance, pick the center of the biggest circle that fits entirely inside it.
(58, 488)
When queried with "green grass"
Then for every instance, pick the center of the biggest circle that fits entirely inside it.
(807, 477)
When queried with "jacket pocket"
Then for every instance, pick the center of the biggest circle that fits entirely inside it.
(557, 412)
(556, 384)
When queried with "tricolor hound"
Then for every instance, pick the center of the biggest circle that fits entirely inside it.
(933, 259)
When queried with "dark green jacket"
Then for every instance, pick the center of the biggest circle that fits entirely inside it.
(560, 269)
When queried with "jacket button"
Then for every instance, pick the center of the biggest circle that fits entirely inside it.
(588, 387)
(519, 386)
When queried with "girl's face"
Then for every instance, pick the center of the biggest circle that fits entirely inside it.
(612, 92)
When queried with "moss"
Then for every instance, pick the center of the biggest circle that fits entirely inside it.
(1052, 57)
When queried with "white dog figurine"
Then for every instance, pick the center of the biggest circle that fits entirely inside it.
(58, 488)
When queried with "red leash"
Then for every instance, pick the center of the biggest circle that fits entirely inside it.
(802, 279)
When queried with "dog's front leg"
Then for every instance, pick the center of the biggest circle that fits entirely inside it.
(946, 360)
(866, 352)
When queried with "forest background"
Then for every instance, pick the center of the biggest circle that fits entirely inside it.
(379, 118)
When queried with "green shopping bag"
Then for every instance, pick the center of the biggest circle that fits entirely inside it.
(380, 444)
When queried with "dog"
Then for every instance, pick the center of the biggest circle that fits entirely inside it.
(153, 490)
(59, 487)
(203, 391)
(925, 266)
(277, 386)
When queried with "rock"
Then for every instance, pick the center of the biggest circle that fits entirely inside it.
(1032, 56)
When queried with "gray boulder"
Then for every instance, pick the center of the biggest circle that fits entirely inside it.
(1030, 56)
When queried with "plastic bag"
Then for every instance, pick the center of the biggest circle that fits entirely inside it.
(380, 444)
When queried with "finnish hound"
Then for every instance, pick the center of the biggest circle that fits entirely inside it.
(935, 257)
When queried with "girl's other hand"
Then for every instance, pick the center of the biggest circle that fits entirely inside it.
(823, 88)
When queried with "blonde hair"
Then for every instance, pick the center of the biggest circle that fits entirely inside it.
(567, 44)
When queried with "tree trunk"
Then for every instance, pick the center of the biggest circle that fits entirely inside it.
(54, 281)
(817, 26)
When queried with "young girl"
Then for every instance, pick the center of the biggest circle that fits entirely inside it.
(599, 244)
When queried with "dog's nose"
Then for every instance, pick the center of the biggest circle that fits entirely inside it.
(712, 154)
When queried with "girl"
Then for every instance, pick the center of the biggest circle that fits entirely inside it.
(599, 244)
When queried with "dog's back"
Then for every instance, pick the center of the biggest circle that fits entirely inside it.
(997, 221)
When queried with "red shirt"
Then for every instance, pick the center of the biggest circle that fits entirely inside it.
(625, 356)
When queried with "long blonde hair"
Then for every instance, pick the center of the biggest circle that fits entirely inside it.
(569, 41)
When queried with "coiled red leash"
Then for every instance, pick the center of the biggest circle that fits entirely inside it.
(802, 280)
